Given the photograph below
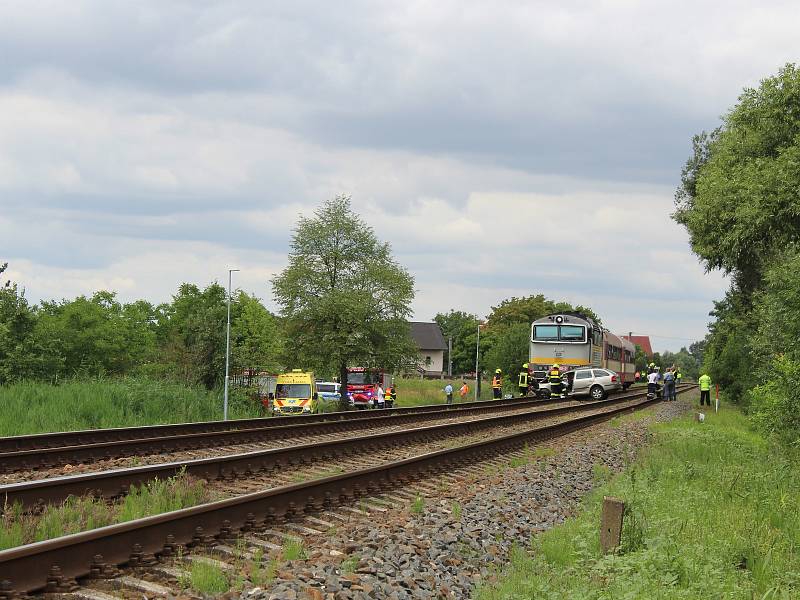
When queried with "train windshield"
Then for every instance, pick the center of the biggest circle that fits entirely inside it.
(564, 333)
(293, 390)
(545, 332)
(572, 333)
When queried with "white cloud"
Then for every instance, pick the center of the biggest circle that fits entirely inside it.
(504, 149)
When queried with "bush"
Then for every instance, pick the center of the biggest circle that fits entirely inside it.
(775, 405)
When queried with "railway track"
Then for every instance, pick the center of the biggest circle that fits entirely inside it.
(83, 447)
(64, 439)
(53, 565)
(272, 461)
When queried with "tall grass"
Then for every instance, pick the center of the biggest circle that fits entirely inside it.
(32, 407)
(713, 511)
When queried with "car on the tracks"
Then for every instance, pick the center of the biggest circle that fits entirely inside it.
(593, 382)
(587, 381)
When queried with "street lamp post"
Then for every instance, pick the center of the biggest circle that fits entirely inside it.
(227, 349)
(477, 369)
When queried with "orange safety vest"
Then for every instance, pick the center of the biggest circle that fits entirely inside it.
(497, 381)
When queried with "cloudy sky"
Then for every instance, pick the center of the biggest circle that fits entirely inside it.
(503, 148)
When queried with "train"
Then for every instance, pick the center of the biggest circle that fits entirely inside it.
(572, 339)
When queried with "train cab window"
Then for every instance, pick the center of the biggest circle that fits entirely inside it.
(572, 333)
(545, 332)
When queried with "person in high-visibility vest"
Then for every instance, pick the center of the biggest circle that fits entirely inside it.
(497, 384)
(554, 377)
(705, 389)
(678, 377)
(523, 381)
(391, 396)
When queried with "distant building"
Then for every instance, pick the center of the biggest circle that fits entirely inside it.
(643, 341)
(432, 346)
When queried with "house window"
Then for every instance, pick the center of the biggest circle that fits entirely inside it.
(428, 361)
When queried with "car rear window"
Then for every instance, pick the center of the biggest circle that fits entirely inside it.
(583, 375)
(599, 373)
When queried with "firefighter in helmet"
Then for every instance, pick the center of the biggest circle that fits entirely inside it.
(554, 378)
(522, 383)
(497, 384)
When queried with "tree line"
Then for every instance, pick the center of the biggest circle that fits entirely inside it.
(739, 199)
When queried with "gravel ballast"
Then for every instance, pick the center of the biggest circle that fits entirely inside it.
(456, 537)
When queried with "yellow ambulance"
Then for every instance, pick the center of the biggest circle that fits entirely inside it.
(295, 393)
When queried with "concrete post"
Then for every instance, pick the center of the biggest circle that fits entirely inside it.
(611, 524)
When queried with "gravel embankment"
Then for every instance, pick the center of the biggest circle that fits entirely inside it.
(461, 537)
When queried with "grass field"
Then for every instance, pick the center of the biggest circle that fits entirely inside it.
(32, 407)
(713, 511)
(37, 407)
(416, 392)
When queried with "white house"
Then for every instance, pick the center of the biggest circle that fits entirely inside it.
(432, 348)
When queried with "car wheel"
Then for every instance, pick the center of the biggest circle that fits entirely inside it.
(597, 392)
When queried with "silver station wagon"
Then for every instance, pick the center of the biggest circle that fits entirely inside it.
(593, 382)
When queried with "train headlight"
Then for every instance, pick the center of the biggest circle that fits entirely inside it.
(559, 319)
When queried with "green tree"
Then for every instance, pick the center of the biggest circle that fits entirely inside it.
(192, 334)
(530, 308)
(17, 321)
(256, 339)
(344, 300)
(93, 336)
(640, 359)
(462, 328)
(738, 199)
(507, 347)
(741, 187)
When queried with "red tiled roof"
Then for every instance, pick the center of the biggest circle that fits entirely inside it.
(643, 341)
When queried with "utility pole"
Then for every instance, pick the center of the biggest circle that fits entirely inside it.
(450, 357)
(227, 349)
(477, 366)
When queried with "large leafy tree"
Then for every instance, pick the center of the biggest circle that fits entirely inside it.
(740, 192)
(344, 300)
(192, 333)
(739, 200)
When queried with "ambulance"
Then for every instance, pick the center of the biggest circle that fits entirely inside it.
(295, 393)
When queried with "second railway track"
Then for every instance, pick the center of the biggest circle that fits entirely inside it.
(92, 446)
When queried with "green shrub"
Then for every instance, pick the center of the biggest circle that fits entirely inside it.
(775, 405)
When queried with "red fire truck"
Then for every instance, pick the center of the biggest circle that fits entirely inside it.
(362, 386)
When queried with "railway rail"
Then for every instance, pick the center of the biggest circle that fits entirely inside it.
(53, 565)
(89, 449)
(116, 482)
(64, 439)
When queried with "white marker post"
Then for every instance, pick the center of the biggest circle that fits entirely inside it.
(716, 402)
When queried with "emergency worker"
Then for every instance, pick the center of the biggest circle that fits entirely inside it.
(705, 389)
(523, 381)
(678, 377)
(554, 378)
(497, 384)
(391, 396)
